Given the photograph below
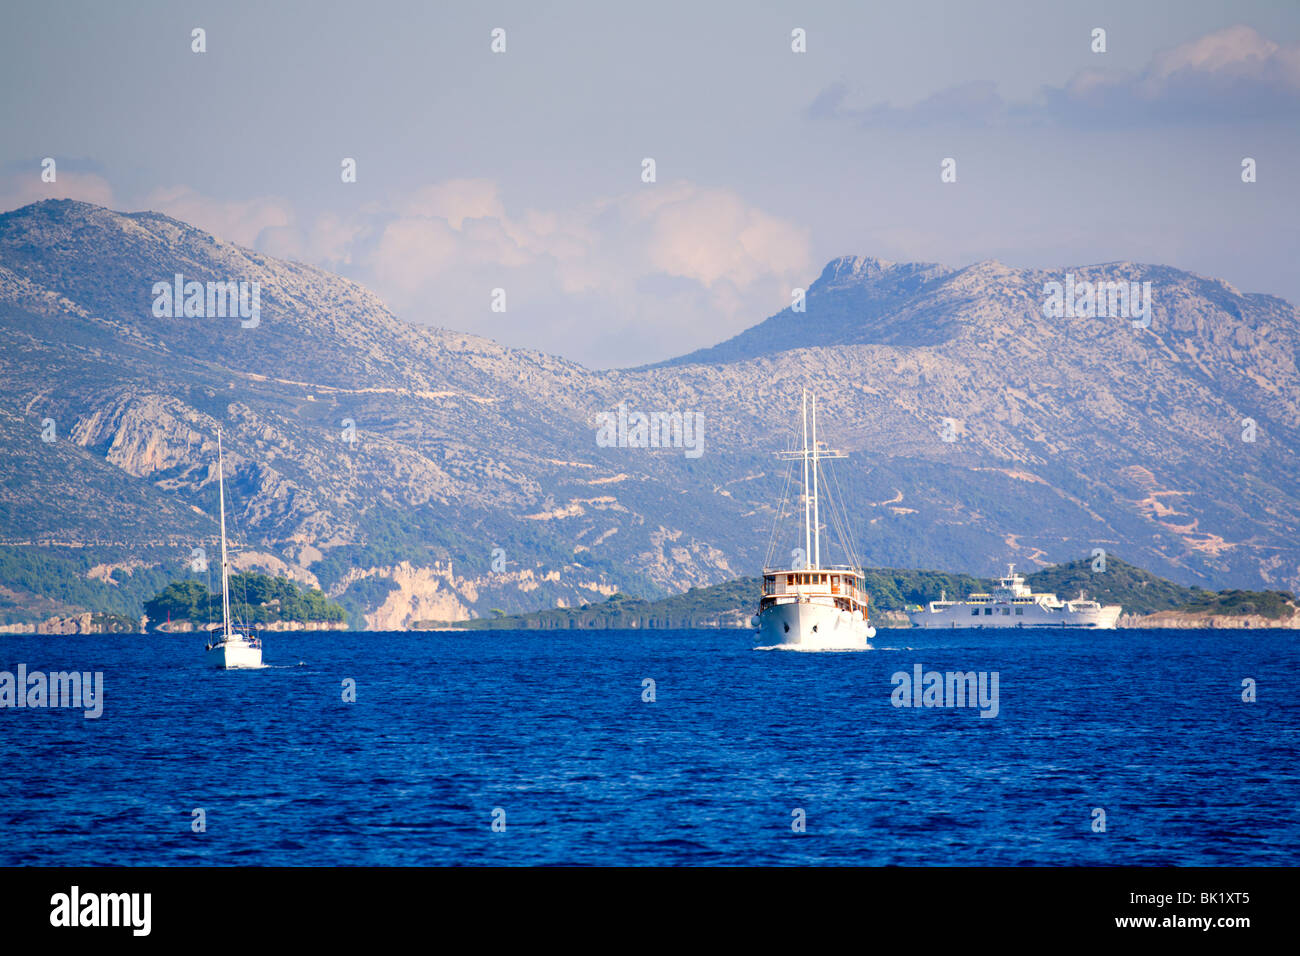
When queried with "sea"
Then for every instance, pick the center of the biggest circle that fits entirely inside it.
(664, 747)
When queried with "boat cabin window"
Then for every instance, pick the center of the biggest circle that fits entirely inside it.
(988, 611)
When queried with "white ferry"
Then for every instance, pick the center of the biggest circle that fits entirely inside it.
(811, 606)
(1013, 604)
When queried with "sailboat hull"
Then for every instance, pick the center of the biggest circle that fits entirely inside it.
(235, 655)
(800, 625)
(234, 651)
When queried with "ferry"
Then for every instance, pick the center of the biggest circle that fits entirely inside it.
(1013, 604)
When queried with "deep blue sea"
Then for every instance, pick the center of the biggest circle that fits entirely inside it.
(549, 731)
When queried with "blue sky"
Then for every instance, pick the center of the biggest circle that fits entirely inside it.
(522, 170)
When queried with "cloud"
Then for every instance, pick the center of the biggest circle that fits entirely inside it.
(242, 221)
(968, 104)
(613, 281)
(457, 200)
(1229, 76)
(1233, 74)
(24, 188)
(329, 241)
(691, 262)
(247, 222)
(412, 251)
(714, 237)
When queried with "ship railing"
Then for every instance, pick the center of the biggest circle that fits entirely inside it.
(835, 568)
(836, 589)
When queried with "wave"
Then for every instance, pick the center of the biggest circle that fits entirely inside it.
(814, 650)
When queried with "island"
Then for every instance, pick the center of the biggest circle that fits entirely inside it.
(1148, 601)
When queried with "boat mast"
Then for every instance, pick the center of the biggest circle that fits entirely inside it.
(807, 500)
(225, 584)
(817, 527)
(812, 456)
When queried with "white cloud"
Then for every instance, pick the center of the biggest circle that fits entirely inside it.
(612, 262)
(21, 189)
(1237, 50)
(411, 252)
(1234, 67)
(624, 279)
(1231, 75)
(241, 221)
(457, 200)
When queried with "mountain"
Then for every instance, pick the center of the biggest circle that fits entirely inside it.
(424, 474)
(1116, 582)
(855, 301)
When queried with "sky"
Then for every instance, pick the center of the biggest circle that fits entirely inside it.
(523, 170)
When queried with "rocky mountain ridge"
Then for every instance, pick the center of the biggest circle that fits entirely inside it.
(360, 447)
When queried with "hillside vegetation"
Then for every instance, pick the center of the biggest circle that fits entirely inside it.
(254, 599)
(733, 603)
(1135, 590)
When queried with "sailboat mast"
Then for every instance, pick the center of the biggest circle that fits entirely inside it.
(807, 499)
(225, 582)
(817, 526)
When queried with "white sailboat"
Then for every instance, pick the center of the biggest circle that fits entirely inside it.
(233, 650)
(814, 606)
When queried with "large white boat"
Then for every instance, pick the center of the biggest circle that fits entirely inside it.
(1013, 604)
(811, 606)
(231, 650)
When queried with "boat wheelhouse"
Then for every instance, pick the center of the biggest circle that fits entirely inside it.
(840, 586)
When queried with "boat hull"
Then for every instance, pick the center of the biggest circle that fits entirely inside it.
(959, 616)
(813, 627)
(235, 655)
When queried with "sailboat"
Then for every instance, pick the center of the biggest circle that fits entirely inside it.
(233, 650)
(814, 606)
